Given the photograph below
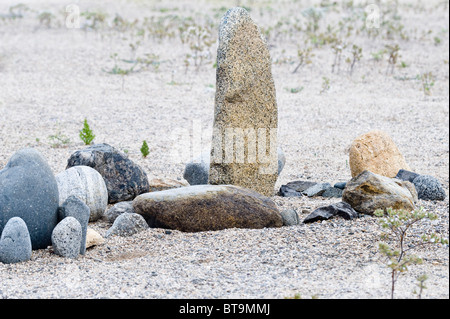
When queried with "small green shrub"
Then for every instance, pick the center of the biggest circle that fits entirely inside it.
(144, 149)
(86, 134)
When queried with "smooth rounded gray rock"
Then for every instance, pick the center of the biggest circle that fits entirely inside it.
(429, 188)
(75, 207)
(340, 185)
(124, 179)
(196, 172)
(127, 224)
(117, 210)
(406, 175)
(28, 190)
(88, 185)
(316, 190)
(15, 242)
(66, 238)
(290, 217)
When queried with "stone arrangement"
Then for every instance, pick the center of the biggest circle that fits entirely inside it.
(223, 190)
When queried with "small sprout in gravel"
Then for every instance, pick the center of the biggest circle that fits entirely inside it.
(325, 84)
(304, 57)
(144, 149)
(392, 50)
(356, 57)
(86, 134)
(427, 80)
(58, 140)
(421, 285)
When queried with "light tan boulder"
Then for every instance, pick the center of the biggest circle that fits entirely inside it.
(376, 152)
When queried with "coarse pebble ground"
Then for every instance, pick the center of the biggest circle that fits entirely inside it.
(51, 79)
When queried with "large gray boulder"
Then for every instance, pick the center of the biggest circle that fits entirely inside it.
(28, 190)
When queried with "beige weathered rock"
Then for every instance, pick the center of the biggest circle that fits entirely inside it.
(93, 238)
(368, 192)
(207, 207)
(376, 152)
(161, 184)
(244, 143)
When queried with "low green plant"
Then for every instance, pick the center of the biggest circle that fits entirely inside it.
(304, 57)
(337, 48)
(378, 56)
(46, 19)
(94, 20)
(421, 285)
(325, 84)
(397, 224)
(393, 51)
(427, 80)
(144, 149)
(86, 134)
(199, 38)
(295, 90)
(58, 140)
(356, 57)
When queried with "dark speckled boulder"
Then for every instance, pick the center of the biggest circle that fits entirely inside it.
(124, 179)
(28, 190)
(207, 207)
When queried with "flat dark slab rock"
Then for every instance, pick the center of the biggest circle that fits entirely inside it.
(341, 209)
(295, 188)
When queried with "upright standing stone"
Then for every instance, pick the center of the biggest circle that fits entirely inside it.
(244, 143)
(75, 207)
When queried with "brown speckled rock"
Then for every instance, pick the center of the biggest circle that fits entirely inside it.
(368, 192)
(245, 105)
(375, 151)
(207, 207)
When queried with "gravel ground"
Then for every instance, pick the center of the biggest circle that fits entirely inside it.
(52, 78)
